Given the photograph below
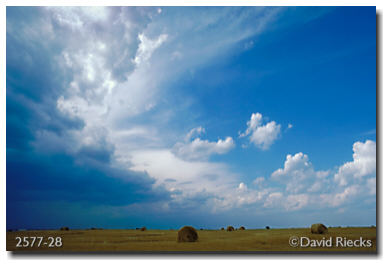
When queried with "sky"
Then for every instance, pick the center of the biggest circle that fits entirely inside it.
(122, 117)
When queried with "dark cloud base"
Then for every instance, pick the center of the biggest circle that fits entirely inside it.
(36, 179)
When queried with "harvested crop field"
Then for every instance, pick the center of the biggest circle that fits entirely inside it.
(209, 240)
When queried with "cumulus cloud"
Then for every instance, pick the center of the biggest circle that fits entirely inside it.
(304, 184)
(298, 174)
(198, 149)
(298, 183)
(363, 164)
(263, 136)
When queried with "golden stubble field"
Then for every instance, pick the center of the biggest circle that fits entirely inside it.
(209, 240)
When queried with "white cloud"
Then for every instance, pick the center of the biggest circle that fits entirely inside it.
(201, 149)
(241, 196)
(298, 184)
(77, 17)
(253, 123)
(296, 202)
(187, 178)
(263, 136)
(274, 199)
(197, 149)
(363, 164)
(194, 132)
(163, 164)
(298, 175)
(303, 184)
(294, 165)
(242, 187)
(338, 198)
(259, 181)
(147, 47)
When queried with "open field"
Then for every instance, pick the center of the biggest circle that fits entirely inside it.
(209, 240)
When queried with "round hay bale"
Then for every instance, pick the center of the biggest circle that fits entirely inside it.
(267, 227)
(230, 228)
(187, 234)
(242, 228)
(222, 229)
(65, 228)
(143, 228)
(318, 229)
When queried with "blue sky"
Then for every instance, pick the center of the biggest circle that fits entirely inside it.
(166, 116)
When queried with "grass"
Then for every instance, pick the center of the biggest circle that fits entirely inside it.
(209, 240)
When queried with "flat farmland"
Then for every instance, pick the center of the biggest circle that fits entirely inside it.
(252, 240)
